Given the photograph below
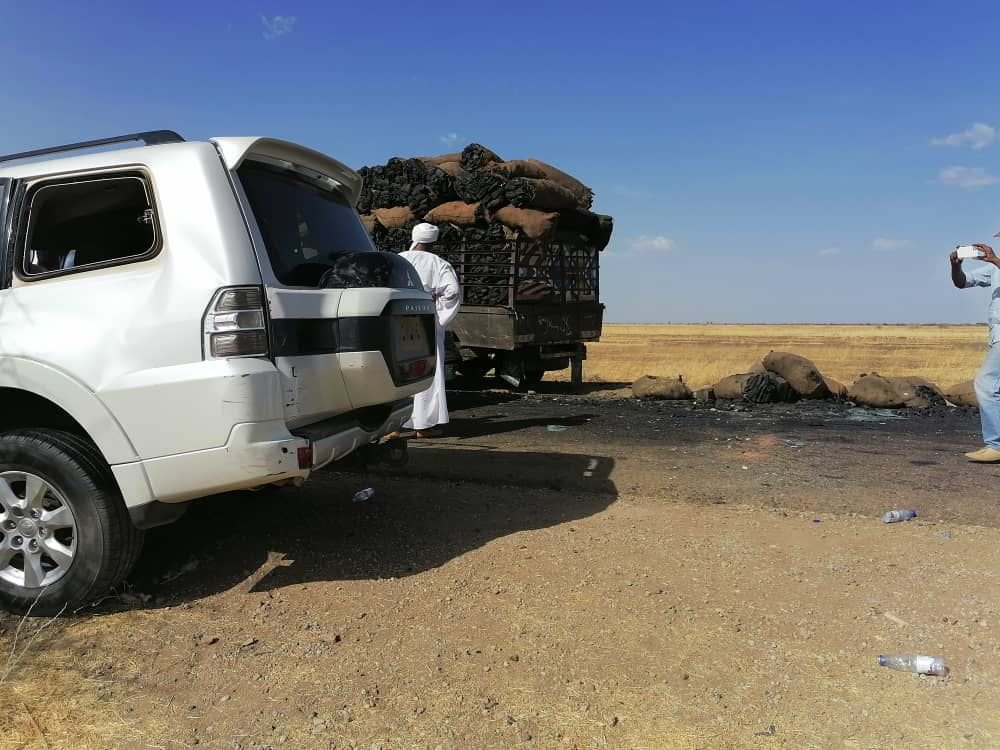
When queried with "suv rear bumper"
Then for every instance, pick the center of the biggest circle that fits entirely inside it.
(334, 438)
(256, 454)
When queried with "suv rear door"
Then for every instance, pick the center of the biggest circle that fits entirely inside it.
(364, 340)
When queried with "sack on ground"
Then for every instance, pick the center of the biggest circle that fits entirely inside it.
(768, 388)
(875, 391)
(670, 389)
(837, 389)
(783, 391)
(918, 393)
(962, 394)
(731, 388)
(800, 373)
(757, 387)
(916, 381)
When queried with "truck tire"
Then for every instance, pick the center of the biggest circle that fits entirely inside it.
(65, 535)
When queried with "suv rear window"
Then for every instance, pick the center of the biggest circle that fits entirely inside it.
(305, 227)
(88, 223)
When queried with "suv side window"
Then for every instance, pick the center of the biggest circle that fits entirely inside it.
(90, 222)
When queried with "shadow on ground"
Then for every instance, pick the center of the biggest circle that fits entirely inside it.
(498, 424)
(506, 412)
(313, 533)
(499, 389)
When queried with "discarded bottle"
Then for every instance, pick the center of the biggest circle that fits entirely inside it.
(892, 516)
(930, 665)
(363, 495)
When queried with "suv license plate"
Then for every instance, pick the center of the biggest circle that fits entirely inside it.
(411, 338)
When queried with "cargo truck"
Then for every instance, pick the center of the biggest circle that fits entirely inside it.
(528, 307)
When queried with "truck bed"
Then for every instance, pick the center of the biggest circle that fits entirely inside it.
(528, 324)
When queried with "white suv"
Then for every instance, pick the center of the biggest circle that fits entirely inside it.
(181, 319)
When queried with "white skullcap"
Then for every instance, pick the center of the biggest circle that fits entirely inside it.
(424, 234)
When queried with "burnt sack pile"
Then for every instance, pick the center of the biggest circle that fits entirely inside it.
(782, 377)
(481, 203)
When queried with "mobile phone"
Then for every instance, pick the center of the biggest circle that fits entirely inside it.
(969, 251)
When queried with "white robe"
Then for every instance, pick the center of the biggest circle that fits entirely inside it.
(430, 408)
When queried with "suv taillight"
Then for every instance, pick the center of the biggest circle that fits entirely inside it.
(234, 324)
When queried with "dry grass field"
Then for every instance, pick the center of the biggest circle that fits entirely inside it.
(704, 354)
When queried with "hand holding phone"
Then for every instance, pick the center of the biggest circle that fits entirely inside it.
(969, 251)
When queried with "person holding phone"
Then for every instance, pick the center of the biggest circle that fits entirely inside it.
(988, 379)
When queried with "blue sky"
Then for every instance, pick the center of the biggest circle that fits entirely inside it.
(765, 161)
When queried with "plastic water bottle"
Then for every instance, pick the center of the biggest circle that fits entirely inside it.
(931, 665)
(892, 516)
(366, 494)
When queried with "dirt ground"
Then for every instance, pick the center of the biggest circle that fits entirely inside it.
(559, 571)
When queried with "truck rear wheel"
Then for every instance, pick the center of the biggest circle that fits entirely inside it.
(65, 534)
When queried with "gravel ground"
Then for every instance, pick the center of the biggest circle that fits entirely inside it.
(559, 571)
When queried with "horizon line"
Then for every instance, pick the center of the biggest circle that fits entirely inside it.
(787, 323)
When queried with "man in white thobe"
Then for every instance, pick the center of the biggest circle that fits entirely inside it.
(430, 408)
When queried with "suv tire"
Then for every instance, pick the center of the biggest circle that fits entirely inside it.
(75, 512)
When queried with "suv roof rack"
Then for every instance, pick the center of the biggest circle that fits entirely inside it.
(150, 138)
